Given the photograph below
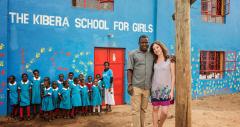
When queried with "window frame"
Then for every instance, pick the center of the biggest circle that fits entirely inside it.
(98, 5)
(215, 10)
(212, 64)
(222, 63)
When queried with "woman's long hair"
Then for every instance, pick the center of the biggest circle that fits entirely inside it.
(164, 50)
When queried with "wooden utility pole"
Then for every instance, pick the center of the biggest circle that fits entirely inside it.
(183, 64)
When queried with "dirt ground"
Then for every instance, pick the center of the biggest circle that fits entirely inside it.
(212, 111)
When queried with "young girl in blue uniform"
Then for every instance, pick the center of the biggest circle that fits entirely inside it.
(75, 98)
(96, 97)
(60, 81)
(36, 91)
(13, 95)
(81, 77)
(101, 87)
(70, 78)
(55, 97)
(89, 85)
(47, 102)
(85, 98)
(81, 80)
(65, 103)
(24, 90)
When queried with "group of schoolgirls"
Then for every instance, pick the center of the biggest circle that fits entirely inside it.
(61, 98)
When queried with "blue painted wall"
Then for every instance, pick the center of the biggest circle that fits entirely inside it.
(29, 39)
(205, 36)
(216, 37)
(61, 49)
(3, 56)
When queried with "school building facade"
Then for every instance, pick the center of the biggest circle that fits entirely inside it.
(60, 36)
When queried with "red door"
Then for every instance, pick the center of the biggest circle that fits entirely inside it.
(115, 56)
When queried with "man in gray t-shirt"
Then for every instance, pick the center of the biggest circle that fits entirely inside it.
(140, 62)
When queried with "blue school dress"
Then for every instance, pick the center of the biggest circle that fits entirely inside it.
(76, 97)
(24, 93)
(85, 97)
(70, 82)
(60, 85)
(55, 98)
(96, 96)
(47, 102)
(106, 78)
(100, 84)
(66, 99)
(13, 93)
(36, 90)
(101, 88)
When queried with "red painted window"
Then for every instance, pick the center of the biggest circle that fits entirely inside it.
(215, 10)
(213, 64)
(94, 4)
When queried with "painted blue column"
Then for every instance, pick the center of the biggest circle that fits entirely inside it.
(3, 57)
(155, 20)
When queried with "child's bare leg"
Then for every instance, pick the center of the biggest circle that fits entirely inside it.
(107, 108)
(72, 112)
(28, 112)
(21, 113)
(50, 115)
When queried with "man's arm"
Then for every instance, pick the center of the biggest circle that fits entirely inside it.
(129, 76)
(130, 67)
(130, 73)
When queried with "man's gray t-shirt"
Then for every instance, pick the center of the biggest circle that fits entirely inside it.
(141, 64)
